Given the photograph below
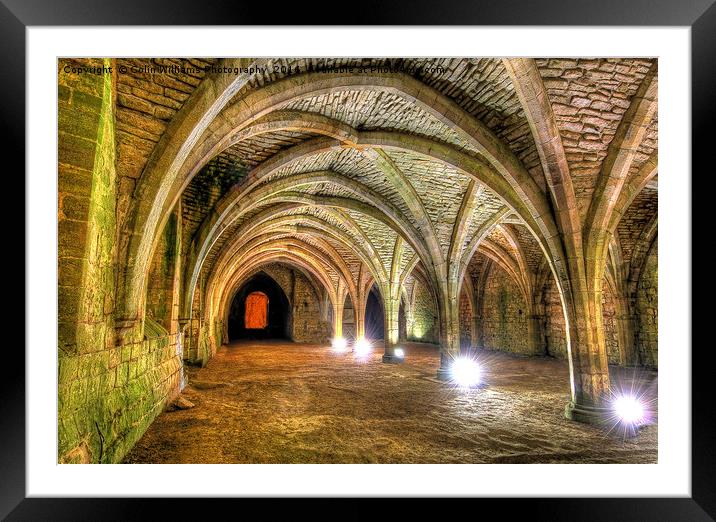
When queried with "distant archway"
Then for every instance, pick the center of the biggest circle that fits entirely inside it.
(259, 310)
(374, 316)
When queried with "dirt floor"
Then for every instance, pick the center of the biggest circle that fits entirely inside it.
(273, 402)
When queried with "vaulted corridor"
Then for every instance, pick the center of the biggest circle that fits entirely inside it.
(237, 233)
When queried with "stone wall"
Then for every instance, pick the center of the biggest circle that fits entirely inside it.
(647, 307)
(307, 324)
(160, 283)
(465, 319)
(107, 399)
(611, 334)
(107, 394)
(86, 199)
(555, 327)
(425, 321)
(504, 314)
(555, 330)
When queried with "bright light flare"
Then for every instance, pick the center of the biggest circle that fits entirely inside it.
(466, 372)
(362, 347)
(398, 352)
(339, 344)
(629, 410)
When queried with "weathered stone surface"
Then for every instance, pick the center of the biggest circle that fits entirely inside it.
(504, 319)
(647, 310)
(593, 93)
(180, 403)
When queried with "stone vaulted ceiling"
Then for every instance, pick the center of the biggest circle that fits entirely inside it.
(352, 165)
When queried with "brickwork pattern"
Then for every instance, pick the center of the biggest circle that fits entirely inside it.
(647, 305)
(465, 320)
(504, 318)
(555, 328)
(642, 210)
(160, 283)
(611, 335)
(425, 323)
(589, 98)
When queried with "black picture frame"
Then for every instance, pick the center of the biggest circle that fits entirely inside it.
(700, 15)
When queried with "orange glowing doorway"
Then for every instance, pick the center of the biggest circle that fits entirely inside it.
(256, 315)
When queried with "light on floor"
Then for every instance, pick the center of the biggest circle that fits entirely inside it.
(339, 344)
(466, 372)
(629, 409)
(362, 347)
(398, 352)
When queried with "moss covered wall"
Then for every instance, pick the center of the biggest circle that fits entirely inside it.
(160, 283)
(85, 199)
(107, 394)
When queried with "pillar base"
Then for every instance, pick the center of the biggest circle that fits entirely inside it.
(587, 414)
(392, 359)
(444, 374)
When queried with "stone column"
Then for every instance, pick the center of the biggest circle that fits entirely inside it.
(590, 370)
(391, 308)
(359, 313)
(338, 318)
(449, 311)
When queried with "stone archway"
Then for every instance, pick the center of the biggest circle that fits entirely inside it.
(374, 315)
(259, 310)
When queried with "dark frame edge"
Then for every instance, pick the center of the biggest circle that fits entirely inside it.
(702, 505)
(12, 387)
(703, 113)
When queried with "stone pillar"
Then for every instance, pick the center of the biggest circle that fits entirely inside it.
(176, 294)
(338, 318)
(449, 311)
(590, 370)
(391, 308)
(359, 313)
(88, 357)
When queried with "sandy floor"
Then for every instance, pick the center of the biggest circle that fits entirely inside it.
(273, 402)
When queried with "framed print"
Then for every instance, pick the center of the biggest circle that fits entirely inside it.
(426, 255)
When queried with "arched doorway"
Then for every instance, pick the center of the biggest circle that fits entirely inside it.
(374, 317)
(256, 311)
(259, 310)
